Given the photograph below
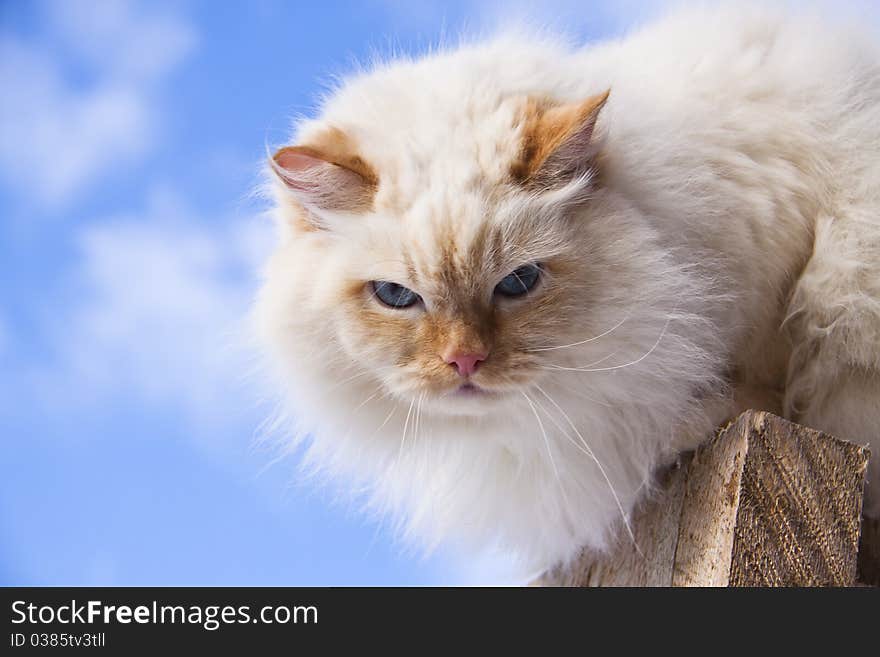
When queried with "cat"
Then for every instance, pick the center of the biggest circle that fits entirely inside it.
(515, 278)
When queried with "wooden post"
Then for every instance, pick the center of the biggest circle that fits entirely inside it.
(869, 552)
(764, 503)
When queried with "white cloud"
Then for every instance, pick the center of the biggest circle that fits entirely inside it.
(58, 136)
(598, 16)
(595, 16)
(156, 313)
(122, 38)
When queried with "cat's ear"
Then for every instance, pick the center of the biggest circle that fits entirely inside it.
(558, 141)
(326, 178)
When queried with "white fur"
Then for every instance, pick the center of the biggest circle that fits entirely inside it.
(736, 242)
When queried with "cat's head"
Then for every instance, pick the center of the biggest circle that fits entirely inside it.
(443, 254)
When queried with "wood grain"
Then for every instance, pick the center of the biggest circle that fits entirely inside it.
(869, 552)
(764, 503)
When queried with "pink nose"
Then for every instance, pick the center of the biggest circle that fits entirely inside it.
(465, 363)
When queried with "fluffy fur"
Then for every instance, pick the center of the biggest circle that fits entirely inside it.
(711, 242)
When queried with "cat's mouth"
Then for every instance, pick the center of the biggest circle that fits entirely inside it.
(473, 391)
(470, 389)
(468, 398)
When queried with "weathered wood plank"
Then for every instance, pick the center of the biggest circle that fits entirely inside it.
(705, 533)
(655, 528)
(869, 552)
(765, 502)
(798, 521)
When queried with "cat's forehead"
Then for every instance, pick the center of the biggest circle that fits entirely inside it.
(434, 162)
(444, 244)
(444, 175)
(458, 148)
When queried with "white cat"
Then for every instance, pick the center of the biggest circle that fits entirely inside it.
(503, 296)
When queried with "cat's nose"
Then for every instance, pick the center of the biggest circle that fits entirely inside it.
(465, 363)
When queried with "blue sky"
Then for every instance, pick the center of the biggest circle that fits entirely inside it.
(130, 138)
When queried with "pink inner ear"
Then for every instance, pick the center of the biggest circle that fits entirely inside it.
(321, 184)
(305, 173)
(292, 161)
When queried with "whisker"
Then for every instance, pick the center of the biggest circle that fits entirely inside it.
(596, 362)
(417, 425)
(595, 337)
(544, 434)
(347, 380)
(384, 422)
(403, 436)
(592, 455)
(364, 403)
(614, 367)
(580, 393)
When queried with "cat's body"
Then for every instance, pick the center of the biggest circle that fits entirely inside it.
(707, 237)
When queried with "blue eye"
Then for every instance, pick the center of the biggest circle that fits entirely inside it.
(394, 295)
(519, 281)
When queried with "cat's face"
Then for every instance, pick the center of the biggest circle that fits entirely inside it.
(452, 294)
(451, 311)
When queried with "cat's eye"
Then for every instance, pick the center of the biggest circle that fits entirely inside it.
(394, 295)
(519, 281)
